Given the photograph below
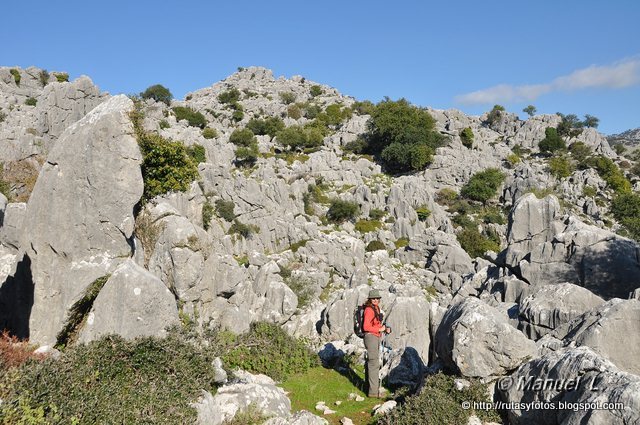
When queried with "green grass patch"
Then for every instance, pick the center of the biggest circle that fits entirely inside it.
(321, 384)
(366, 226)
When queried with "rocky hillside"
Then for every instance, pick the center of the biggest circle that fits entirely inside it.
(627, 138)
(290, 224)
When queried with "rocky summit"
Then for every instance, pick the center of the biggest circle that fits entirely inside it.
(502, 248)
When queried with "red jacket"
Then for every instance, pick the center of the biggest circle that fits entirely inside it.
(372, 323)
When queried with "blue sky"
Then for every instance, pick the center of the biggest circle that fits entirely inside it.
(580, 57)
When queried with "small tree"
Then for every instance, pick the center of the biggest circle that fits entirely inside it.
(230, 96)
(340, 211)
(530, 110)
(159, 93)
(194, 118)
(483, 185)
(242, 137)
(467, 136)
(590, 121)
(569, 126)
(315, 90)
(495, 114)
(552, 141)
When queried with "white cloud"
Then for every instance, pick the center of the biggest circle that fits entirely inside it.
(616, 76)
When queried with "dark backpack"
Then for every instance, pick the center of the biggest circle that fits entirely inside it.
(358, 321)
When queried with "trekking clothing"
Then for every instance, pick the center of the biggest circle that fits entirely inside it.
(372, 322)
(372, 344)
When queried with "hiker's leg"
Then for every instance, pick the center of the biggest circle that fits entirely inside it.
(372, 343)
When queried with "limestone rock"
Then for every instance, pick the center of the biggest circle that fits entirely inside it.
(571, 376)
(132, 303)
(80, 215)
(611, 330)
(477, 340)
(250, 390)
(554, 305)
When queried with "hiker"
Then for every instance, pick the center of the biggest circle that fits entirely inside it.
(373, 329)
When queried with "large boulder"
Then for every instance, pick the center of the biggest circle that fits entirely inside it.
(611, 330)
(554, 305)
(132, 303)
(550, 390)
(545, 248)
(79, 219)
(477, 340)
(257, 391)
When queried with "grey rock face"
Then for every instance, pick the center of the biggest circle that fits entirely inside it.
(545, 248)
(572, 375)
(299, 418)
(132, 303)
(11, 230)
(611, 330)
(257, 390)
(554, 305)
(478, 341)
(80, 215)
(410, 317)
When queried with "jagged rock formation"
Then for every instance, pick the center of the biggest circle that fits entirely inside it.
(81, 256)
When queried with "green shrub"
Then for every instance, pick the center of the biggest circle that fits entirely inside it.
(446, 196)
(494, 115)
(287, 97)
(230, 96)
(147, 380)
(580, 152)
(365, 107)
(43, 76)
(402, 136)
(626, 209)
(560, 166)
(246, 156)
(294, 112)
(340, 211)
(159, 93)
(297, 245)
(237, 115)
(207, 214)
(269, 350)
(492, 215)
(530, 110)
(224, 209)
(303, 287)
(31, 101)
(467, 136)
(401, 242)
(375, 246)
(166, 165)
(440, 403)
(242, 137)
(197, 153)
(589, 192)
(209, 133)
(244, 230)
(609, 171)
(164, 124)
(376, 214)
(311, 110)
(357, 146)
(315, 90)
(16, 76)
(475, 243)
(483, 185)
(513, 159)
(270, 126)
(423, 212)
(333, 116)
(61, 77)
(297, 137)
(366, 226)
(552, 141)
(194, 118)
